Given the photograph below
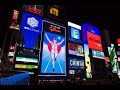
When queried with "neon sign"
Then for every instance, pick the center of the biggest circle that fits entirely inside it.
(54, 11)
(33, 10)
(54, 29)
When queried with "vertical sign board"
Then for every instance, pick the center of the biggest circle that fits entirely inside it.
(75, 49)
(14, 21)
(31, 27)
(53, 54)
(113, 58)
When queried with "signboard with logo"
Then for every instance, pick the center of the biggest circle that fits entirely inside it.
(94, 41)
(56, 12)
(98, 54)
(75, 49)
(36, 9)
(31, 27)
(53, 55)
(74, 33)
(76, 64)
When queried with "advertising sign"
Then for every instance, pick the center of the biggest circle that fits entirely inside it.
(94, 41)
(118, 41)
(36, 9)
(56, 12)
(53, 62)
(75, 49)
(14, 22)
(31, 27)
(98, 54)
(25, 66)
(118, 52)
(74, 33)
(76, 64)
(113, 58)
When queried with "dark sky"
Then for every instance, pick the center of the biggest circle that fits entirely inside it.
(99, 14)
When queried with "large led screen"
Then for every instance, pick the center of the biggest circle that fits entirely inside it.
(53, 61)
(31, 27)
(94, 41)
(76, 64)
(75, 49)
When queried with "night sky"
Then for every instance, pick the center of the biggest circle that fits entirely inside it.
(102, 15)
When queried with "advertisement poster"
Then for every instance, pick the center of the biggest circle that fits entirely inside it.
(113, 58)
(94, 41)
(76, 64)
(74, 33)
(53, 61)
(75, 49)
(31, 27)
(98, 54)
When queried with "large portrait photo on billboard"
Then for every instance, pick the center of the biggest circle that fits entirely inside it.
(53, 54)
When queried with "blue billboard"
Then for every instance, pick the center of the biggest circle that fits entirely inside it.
(76, 64)
(31, 27)
(53, 56)
(74, 33)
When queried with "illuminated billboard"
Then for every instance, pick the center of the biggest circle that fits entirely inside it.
(76, 64)
(94, 41)
(14, 22)
(118, 52)
(118, 41)
(25, 66)
(26, 55)
(98, 54)
(53, 58)
(74, 33)
(36, 9)
(31, 27)
(75, 49)
(113, 58)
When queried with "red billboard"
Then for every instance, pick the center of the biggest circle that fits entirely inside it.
(94, 41)
(118, 41)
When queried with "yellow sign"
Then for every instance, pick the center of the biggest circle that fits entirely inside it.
(54, 11)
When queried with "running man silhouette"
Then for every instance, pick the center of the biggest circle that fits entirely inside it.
(54, 49)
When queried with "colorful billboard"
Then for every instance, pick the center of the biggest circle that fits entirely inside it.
(76, 64)
(53, 61)
(75, 49)
(113, 58)
(74, 33)
(94, 41)
(98, 54)
(31, 27)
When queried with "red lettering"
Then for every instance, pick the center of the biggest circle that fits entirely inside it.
(72, 47)
(53, 29)
(34, 10)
